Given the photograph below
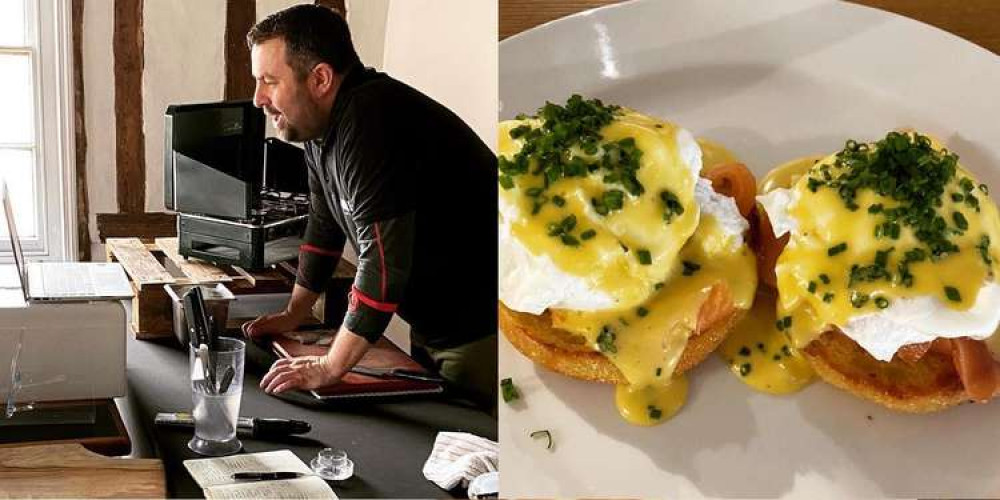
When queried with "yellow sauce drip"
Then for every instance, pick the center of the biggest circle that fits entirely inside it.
(650, 405)
(824, 222)
(649, 346)
(609, 261)
(761, 356)
(714, 154)
(786, 174)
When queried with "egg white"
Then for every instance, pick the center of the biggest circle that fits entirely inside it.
(907, 320)
(532, 283)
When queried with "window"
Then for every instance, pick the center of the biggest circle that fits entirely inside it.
(36, 142)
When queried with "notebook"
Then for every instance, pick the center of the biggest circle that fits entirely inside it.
(384, 354)
(214, 475)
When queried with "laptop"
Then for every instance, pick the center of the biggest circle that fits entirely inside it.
(64, 281)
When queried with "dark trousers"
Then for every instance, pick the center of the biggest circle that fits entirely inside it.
(470, 369)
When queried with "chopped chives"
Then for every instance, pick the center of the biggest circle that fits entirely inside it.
(655, 413)
(960, 221)
(690, 267)
(644, 257)
(606, 340)
(509, 390)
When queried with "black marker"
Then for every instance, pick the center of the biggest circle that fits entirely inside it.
(256, 426)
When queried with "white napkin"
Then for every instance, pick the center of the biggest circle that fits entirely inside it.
(458, 457)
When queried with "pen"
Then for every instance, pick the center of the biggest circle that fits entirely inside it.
(265, 476)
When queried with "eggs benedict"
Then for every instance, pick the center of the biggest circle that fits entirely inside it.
(883, 260)
(619, 262)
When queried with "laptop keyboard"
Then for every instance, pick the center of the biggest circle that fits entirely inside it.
(67, 280)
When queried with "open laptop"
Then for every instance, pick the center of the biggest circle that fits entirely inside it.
(64, 281)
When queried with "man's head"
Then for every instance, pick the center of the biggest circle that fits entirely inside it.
(298, 57)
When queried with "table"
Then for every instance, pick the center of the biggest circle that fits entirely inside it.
(973, 20)
(388, 442)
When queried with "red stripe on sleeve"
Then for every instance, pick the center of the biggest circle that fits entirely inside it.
(381, 256)
(319, 251)
(372, 303)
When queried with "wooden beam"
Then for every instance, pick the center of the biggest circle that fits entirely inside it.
(147, 226)
(240, 17)
(519, 15)
(130, 161)
(337, 5)
(80, 122)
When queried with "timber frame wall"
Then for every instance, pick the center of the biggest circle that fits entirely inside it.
(132, 220)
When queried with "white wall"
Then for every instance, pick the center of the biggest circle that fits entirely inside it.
(445, 48)
(183, 49)
(448, 50)
(367, 20)
(99, 88)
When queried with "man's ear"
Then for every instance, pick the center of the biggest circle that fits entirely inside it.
(323, 78)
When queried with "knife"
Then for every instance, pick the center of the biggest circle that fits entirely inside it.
(396, 373)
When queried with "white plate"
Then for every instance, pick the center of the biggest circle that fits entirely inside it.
(772, 80)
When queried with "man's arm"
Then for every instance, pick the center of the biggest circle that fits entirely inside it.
(318, 257)
(312, 372)
(384, 262)
(383, 272)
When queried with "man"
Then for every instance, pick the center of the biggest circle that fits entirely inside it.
(405, 182)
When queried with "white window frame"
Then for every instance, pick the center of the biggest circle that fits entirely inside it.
(49, 35)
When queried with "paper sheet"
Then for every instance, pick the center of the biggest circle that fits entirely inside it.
(214, 475)
(301, 488)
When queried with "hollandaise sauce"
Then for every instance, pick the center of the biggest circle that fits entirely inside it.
(602, 191)
(877, 223)
(646, 342)
(714, 154)
(607, 194)
(761, 355)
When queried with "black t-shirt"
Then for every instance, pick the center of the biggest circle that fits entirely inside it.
(413, 189)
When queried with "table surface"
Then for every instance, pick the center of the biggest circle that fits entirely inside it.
(388, 442)
(973, 20)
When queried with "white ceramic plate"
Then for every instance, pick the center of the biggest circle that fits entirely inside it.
(772, 80)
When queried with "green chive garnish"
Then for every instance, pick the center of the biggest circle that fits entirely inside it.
(644, 257)
(510, 392)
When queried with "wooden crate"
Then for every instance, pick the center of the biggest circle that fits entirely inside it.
(151, 266)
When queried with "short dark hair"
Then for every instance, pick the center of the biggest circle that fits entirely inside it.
(312, 34)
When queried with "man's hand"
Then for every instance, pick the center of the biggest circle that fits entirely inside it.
(270, 324)
(305, 372)
(298, 309)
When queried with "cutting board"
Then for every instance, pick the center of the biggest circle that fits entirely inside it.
(69, 470)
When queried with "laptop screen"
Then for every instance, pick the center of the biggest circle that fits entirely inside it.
(15, 244)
